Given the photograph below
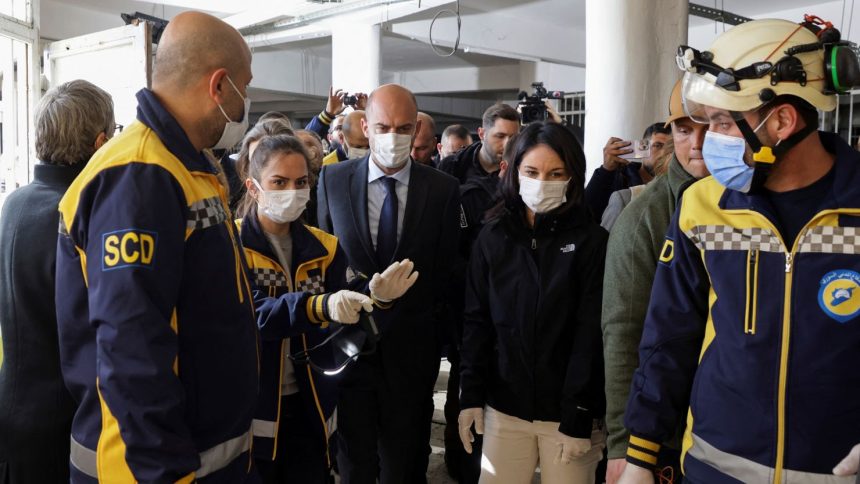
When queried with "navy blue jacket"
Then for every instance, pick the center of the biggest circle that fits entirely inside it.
(412, 328)
(755, 343)
(158, 338)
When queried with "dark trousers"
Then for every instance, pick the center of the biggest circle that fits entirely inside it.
(465, 468)
(383, 422)
(301, 450)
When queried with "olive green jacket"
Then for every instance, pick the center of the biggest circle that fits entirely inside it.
(631, 261)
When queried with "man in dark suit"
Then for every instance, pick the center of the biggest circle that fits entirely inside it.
(386, 207)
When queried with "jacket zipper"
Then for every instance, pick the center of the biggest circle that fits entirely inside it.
(752, 292)
(783, 366)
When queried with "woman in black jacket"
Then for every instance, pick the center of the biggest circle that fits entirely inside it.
(532, 370)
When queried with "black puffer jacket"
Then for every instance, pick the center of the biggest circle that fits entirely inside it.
(531, 342)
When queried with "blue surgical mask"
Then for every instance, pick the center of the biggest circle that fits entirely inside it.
(724, 157)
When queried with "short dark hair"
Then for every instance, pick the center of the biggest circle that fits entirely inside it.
(457, 131)
(808, 113)
(499, 111)
(558, 139)
(657, 128)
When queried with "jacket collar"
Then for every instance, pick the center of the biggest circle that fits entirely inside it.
(152, 113)
(471, 155)
(846, 182)
(678, 178)
(546, 223)
(57, 175)
(305, 245)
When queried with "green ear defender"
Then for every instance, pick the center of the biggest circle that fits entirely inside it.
(841, 67)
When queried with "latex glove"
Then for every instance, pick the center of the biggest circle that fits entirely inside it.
(614, 468)
(469, 416)
(571, 448)
(394, 281)
(344, 306)
(636, 475)
(849, 464)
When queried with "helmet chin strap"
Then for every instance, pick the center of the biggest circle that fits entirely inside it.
(765, 156)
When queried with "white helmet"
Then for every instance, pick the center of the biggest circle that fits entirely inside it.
(756, 61)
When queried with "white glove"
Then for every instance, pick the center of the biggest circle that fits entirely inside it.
(467, 417)
(344, 306)
(394, 281)
(848, 466)
(570, 448)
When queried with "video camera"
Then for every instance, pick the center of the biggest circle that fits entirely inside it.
(532, 108)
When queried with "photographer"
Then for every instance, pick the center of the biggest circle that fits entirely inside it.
(618, 173)
(537, 108)
(337, 102)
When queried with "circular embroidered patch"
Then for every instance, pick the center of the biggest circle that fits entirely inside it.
(839, 296)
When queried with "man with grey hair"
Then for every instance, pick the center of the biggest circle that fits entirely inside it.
(72, 121)
(158, 338)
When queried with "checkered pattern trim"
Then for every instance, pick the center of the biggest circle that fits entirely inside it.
(312, 285)
(724, 237)
(206, 213)
(269, 278)
(831, 240)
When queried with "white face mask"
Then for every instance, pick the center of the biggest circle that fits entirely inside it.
(234, 131)
(391, 150)
(353, 153)
(282, 206)
(542, 196)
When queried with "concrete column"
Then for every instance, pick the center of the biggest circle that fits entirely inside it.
(355, 55)
(630, 67)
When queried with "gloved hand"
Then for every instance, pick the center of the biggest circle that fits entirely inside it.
(394, 281)
(344, 306)
(849, 464)
(569, 448)
(467, 417)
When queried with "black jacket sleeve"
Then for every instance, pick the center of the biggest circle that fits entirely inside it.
(600, 187)
(478, 332)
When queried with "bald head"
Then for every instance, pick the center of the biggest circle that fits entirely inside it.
(194, 45)
(353, 136)
(391, 110)
(424, 143)
(391, 96)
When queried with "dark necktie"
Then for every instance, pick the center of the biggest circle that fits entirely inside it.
(386, 235)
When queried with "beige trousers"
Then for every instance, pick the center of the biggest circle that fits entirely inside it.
(513, 448)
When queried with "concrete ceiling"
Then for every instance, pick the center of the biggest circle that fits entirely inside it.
(399, 54)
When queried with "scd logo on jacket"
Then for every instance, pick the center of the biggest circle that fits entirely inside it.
(128, 248)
